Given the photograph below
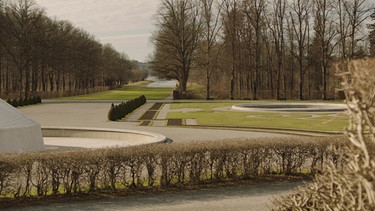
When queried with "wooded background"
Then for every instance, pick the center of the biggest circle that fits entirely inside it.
(257, 49)
(237, 49)
(53, 58)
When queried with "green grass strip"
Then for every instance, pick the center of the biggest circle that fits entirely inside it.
(128, 92)
(211, 116)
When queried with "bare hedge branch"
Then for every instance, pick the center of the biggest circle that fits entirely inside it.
(349, 182)
(162, 166)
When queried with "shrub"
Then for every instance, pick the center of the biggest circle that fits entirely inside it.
(15, 103)
(117, 112)
(34, 100)
(111, 115)
(24, 101)
(21, 101)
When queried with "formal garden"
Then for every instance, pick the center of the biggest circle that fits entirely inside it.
(55, 175)
(240, 66)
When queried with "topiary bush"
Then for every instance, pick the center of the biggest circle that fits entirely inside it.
(21, 101)
(9, 101)
(117, 112)
(24, 101)
(15, 103)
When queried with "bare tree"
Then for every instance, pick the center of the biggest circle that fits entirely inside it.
(1, 47)
(357, 14)
(300, 20)
(231, 18)
(18, 26)
(210, 12)
(255, 11)
(325, 33)
(176, 40)
(276, 25)
(39, 54)
(351, 16)
(342, 27)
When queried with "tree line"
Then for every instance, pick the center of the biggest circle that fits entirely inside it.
(43, 55)
(257, 49)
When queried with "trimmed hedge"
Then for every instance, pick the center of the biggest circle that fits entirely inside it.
(117, 112)
(24, 101)
(163, 166)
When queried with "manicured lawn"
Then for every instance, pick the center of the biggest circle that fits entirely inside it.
(126, 93)
(292, 120)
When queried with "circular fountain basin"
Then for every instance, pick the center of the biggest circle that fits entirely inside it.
(61, 137)
(290, 107)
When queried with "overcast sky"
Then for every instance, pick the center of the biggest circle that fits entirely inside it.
(126, 24)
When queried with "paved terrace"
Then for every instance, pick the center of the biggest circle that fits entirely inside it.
(94, 115)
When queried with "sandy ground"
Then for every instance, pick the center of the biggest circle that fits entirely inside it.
(256, 197)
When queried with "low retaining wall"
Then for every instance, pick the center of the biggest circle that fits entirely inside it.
(109, 134)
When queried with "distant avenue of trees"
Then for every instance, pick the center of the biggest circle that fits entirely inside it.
(275, 49)
(43, 55)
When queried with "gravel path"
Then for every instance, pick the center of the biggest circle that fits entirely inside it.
(256, 197)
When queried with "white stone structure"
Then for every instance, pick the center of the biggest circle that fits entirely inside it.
(18, 133)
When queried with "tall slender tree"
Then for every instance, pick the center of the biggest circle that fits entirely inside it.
(255, 12)
(325, 33)
(231, 19)
(300, 20)
(210, 12)
(276, 24)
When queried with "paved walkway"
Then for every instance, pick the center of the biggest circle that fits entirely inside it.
(94, 115)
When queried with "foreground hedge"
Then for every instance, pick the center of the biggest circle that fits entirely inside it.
(162, 166)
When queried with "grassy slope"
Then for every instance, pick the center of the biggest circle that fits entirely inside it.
(127, 93)
(303, 121)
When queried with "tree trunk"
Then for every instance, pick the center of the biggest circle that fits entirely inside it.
(34, 77)
(1, 75)
(27, 81)
(324, 69)
(208, 86)
(301, 86)
(20, 82)
(44, 80)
